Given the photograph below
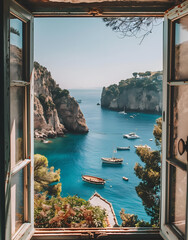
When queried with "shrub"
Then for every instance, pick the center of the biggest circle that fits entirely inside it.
(70, 211)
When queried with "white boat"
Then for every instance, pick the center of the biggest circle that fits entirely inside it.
(112, 160)
(136, 146)
(123, 112)
(125, 178)
(123, 148)
(46, 141)
(146, 146)
(131, 116)
(151, 139)
(131, 136)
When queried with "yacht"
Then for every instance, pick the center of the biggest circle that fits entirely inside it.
(131, 136)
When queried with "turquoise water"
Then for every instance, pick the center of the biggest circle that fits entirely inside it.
(81, 154)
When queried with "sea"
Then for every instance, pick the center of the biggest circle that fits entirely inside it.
(77, 154)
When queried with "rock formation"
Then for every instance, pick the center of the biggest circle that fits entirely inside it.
(135, 94)
(55, 111)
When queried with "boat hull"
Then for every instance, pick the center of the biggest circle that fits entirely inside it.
(125, 178)
(112, 161)
(128, 137)
(123, 148)
(93, 180)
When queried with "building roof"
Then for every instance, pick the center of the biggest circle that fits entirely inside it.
(97, 200)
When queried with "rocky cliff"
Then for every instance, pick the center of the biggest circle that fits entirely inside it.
(55, 111)
(143, 94)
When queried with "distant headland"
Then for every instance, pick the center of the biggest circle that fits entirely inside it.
(141, 93)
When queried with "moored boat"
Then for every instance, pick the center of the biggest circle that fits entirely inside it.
(123, 112)
(131, 136)
(112, 160)
(125, 178)
(123, 148)
(93, 180)
(146, 146)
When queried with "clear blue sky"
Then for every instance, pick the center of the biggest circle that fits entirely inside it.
(84, 53)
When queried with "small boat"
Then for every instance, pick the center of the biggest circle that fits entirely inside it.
(123, 112)
(79, 101)
(131, 116)
(112, 160)
(98, 104)
(46, 141)
(151, 139)
(125, 178)
(131, 136)
(123, 148)
(136, 146)
(146, 146)
(92, 179)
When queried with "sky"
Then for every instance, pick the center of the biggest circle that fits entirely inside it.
(16, 39)
(84, 53)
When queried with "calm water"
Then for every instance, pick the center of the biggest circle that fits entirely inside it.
(81, 154)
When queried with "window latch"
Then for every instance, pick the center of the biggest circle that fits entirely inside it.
(182, 146)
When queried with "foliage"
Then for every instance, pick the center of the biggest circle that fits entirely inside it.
(138, 27)
(135, 74)
(46, 103)
(149, 187)
(45, 178)
(147, 81)
(15, 31)
(112, 90)
(131, 220)
(67, 212)
(58, 93)
(157, 131)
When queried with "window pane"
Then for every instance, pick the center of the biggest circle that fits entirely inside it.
(179, 122)
(17, 200)
(181, 48)
(16, 117)
(16, 49)
(178, 186)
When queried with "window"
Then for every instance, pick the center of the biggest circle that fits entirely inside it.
(20, 123)
(173, 219)
(175, 102)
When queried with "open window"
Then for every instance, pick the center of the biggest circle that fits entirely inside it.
(21, 123)
(174, 211)
(175, 128)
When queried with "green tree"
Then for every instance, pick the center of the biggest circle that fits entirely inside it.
(131, 220)
(148, 73)
(135, 74)
(149, 187)
(46, 179)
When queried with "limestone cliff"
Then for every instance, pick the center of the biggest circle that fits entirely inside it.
(142, 94)
(55, 111)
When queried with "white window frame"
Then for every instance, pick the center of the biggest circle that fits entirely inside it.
(26, 230)
(177, 12)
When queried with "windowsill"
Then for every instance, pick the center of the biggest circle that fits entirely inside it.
(97, 233)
